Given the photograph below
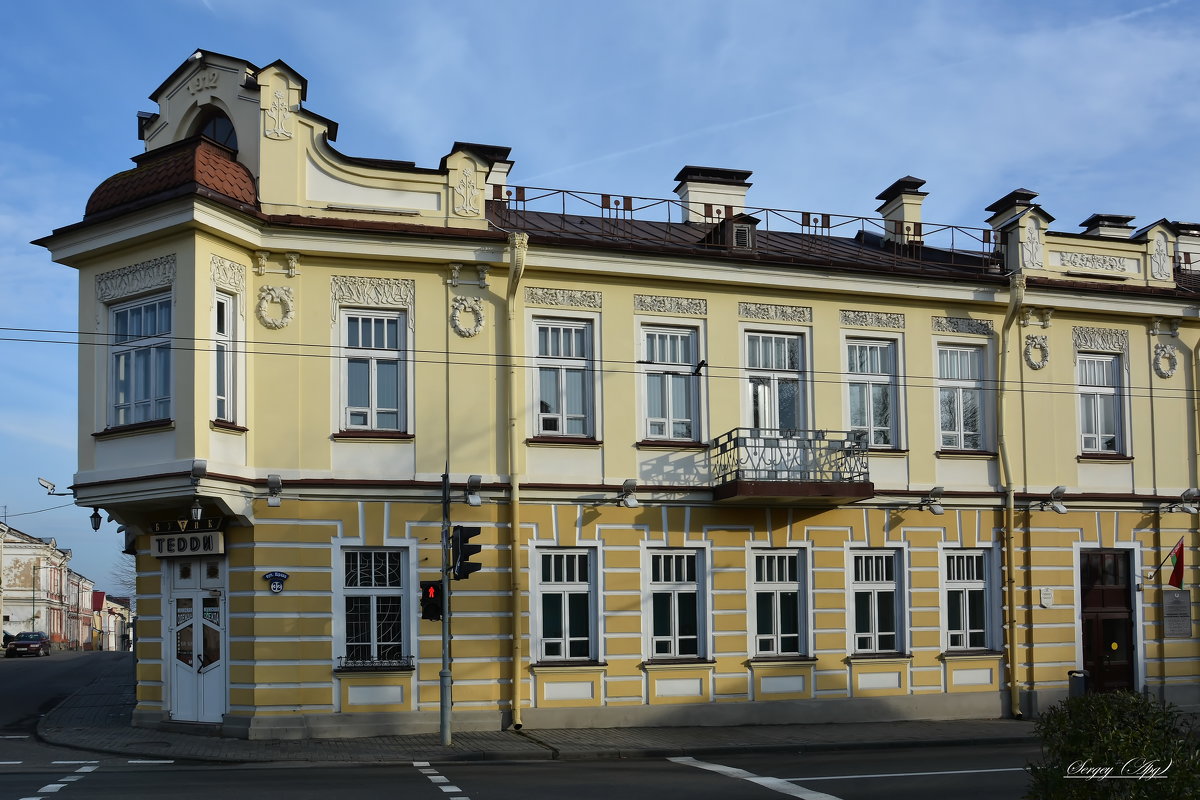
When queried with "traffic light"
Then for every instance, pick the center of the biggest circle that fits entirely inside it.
(461, 565)
(431, 600)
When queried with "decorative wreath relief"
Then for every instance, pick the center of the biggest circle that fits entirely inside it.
(1039, 343)
(1168, 353)
(287, 304)
(469, 305)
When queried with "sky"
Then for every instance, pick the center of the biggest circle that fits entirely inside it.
(1090, 103)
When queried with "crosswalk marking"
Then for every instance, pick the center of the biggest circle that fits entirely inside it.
(92, 768)
(774, 784)
(51, 787)
(149, 761)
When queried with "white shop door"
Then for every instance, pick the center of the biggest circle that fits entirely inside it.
(197, 641)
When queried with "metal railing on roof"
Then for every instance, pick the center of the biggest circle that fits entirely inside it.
(778, 235)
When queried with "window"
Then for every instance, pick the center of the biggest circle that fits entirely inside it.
(966, 600)
(564, 378)
(675, 608)
(374, 596)
(223, 379)
(875, 606)
(777, 599)
(216, 126)
(672, 405)
(776, 398)
(141, 361)
(568, 607)
(1099, 403)
(375, 385)
(960, 397)
(872, 385)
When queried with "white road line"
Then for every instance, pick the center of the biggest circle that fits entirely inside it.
(92, 768)
(52, 787)
(70, 778)
(774, 784)
(427, 771)
(439, 779)
(149, 761)
(905, 774)
(74, 762)
(420, 763)
(10, 763)
(24, 736)
(450, 788)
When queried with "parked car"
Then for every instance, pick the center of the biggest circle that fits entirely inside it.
(8, 637)
(28, 643)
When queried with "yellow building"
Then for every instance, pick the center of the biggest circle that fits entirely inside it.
(736, 464)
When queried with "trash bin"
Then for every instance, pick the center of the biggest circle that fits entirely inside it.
(1077, 682)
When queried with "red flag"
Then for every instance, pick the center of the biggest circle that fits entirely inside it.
(1176, 558)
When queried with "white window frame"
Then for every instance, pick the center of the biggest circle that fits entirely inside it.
(1092, 395)
(874, 573)
(375, 356)
(776, 573)
(957, 389)
(872, 380)
(669, 580)
(141, 403)
(966, 572)
(396, 585)
(670, 369)
(564, 573)
(562, 355)
(764, 376)
(225, 360)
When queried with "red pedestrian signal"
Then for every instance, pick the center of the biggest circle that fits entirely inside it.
(431, 600)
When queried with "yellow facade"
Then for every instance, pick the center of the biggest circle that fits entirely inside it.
(757, 474)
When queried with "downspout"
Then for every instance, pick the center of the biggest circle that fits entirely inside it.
(1016, 296)
(518, 246)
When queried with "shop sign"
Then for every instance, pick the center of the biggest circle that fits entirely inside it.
(187, 537)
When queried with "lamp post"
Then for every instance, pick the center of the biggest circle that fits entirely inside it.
(3, 538)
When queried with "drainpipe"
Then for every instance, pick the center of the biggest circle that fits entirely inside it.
(518, 246)
(1016, 296)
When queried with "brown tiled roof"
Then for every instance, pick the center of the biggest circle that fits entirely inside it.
(196, 165)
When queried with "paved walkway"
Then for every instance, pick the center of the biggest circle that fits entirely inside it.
(97, 718)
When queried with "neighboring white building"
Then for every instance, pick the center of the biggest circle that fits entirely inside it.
(39, 592)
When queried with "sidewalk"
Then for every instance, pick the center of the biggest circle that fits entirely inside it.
(97, 718)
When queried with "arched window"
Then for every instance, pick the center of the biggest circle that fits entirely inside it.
(216, 126)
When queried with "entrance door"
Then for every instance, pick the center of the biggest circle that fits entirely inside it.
(197, 640)
(1106, 619)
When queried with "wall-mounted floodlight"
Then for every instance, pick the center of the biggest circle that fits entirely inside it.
(472, 492)
(1055, 502)
(49, 487)
(626, 497)
(95, 518)
(1187, 503)
(274, 487)
(931, 501)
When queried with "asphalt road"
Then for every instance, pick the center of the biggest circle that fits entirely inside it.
(30, 769)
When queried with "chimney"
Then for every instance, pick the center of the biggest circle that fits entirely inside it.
(1009, 206)
(901, 210)
(1113, 226)
(711, 194)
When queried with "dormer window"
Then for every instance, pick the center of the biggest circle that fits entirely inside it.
(216, 126)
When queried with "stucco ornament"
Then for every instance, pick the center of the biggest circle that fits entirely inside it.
(269, 295)
(136, 278)
(1031, 248)
(466, 305)
(1040, 343)
(873, 319)
(1160, 261)
(1169, 354)
(276, 119)
(670, 305)
(775, 313)
(578, 298)
(466, 193)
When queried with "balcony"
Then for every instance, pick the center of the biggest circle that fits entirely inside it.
(810, 467)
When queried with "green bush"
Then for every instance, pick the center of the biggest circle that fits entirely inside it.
(1115, 745)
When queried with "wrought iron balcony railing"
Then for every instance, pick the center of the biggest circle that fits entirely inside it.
(347, 664)
(771, 455)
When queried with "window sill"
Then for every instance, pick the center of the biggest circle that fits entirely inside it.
(782, 661)
(853, 657)
(372, 436)
(1119, 458)
(567, 665)
(224, 425)
(670, 444)
(563, 441)
(153, 426)
(982, 455)
(679, 663)
(951, 655)
(886, 452)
